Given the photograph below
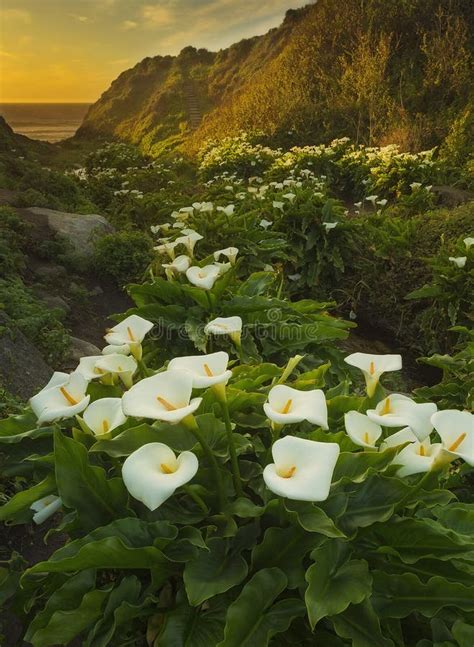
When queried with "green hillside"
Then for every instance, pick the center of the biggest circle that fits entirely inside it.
(376, 71)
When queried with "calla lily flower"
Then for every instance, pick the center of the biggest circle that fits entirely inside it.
(372, 199)
(123, 366)
(469, 242)
(287, 406)
(373, 367)
(231, 326)
(456, 429)
(87, 366)
(167, 248)
(459, 261)
(203, 277)
(302, 470)
(417, 457)
(398, 410)
(265, 224)
(130, 331)
(289, 196)
(152, 473)
(228, 252)
(104, 415)
(229, 210)
(361, 429)
(45, 508)
(398, 438)
(277, 204)
(122, 349)
(206, 370)
(329, 225)
(165, 396)
(223, 267)
(63, 397)
(189, 240)
(179, 265)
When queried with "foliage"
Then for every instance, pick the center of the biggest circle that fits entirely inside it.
(124, 255)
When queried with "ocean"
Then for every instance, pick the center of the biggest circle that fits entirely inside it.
(51, 122)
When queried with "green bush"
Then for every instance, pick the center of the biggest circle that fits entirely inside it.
(12, 230)
(124, 255)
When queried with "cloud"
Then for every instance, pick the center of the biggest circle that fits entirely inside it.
(79, 18)
(157, 15)
(15, 15)
(4, 54)
(127, 25)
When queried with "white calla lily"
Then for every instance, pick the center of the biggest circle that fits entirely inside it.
(104, 415)
(111, 349)
(231, 326)
(229, 210)
(456, 430)
(45, 507)
(206, 370)
(398, 410)
(459, 261)
(287, 406)
(189, 240)
(417, 457)
(398, 438)
(223, 267)
(63, 397)
(203, 277)
(265, 224)
(469, 242)
(153, 473)
(361, 429)
(123, 366)
(329, 225)
(179, 265)
(87, 366)
(228, 252)
(167, 248)
(165, 396)
(373, 367)
(131, 331)
(302, 470)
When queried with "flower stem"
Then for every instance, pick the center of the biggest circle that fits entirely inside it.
(413, 491)
(192, 425)
(232, 451)
(196, 498)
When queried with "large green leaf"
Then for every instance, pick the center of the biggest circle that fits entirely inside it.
(23, 500)
(213, 572)
(312, 518)
(397, 596)
(85, 487)
(252, 619)
(360, 624)
(187, 626)
(177, 437)
(357, 466)
(285, 548)
(335, 581)
(125, 543)
(70, 609)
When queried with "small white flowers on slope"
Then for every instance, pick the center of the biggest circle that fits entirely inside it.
(206, 370)
(302, 470)
(361, 430)
(152, 473)
(287, 406)
(63, 397)
(165, 396)
(373, 367)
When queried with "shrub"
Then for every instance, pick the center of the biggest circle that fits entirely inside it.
(124, 255)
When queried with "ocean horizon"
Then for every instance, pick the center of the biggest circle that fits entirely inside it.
(50, 122)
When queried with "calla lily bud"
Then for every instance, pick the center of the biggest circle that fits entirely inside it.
(45, 508)
(398, 410)
(206, 370)
(203, 277)
(290, 367)
(152, 473)
(373, 367)
(231, 326)
(165, 396)
(456, 429)
(302, 469)
(361, 430)
(417, 457)
(63, 397)
(104, 415)
(287, 406)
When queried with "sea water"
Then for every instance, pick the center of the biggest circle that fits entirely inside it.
(51, 122)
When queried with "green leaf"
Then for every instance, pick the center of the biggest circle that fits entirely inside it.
(285, 548)
(176, 436)
(86, 488)
(193, 627)
(360, 624)
(257, 284)
(252, 619)
(335, 581)
(357, 466)
(312, 519)
(70, 609)
(463, 633)
(125, 543)
(213, 572)
(23, 500)
(397, 596)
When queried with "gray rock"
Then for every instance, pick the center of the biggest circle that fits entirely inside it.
(96, 292)
(81, 348)
(23, 371)
(51, 273)
(53, 302)
(450, 196)
(80, 230)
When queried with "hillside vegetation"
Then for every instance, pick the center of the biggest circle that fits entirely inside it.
(376, 71)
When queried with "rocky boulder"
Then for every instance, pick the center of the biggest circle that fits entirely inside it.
(78, 229)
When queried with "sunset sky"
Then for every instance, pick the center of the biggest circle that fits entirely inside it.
(70, 50)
